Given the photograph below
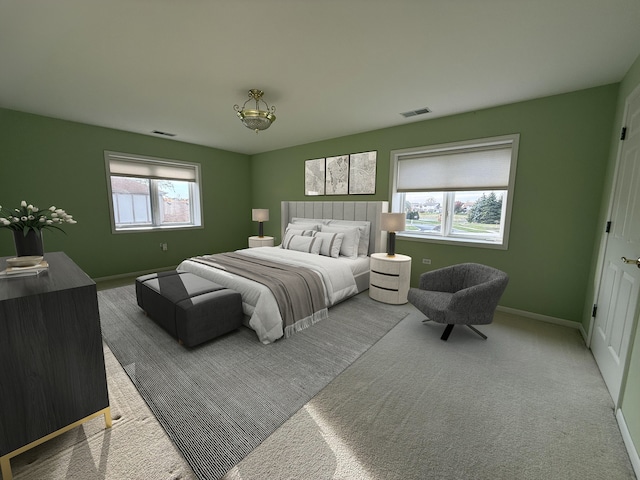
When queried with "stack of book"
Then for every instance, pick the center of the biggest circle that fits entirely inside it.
(37, 269)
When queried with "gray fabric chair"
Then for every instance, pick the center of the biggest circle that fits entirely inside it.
(464, 294)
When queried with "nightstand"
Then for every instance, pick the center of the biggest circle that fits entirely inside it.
(389, 278)
(260, 241)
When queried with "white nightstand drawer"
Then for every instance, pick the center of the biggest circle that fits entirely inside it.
(385, 296)
(382, 266)
(390, 282)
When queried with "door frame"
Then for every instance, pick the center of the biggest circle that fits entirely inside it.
(604, 241)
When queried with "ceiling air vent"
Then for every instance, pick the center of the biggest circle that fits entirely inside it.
(413, 113)
(166, 134)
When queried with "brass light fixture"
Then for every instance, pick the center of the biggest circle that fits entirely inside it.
(256, 119)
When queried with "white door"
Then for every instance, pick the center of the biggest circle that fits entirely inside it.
(617, 300)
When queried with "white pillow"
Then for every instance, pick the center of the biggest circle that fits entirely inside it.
(303, 244)
(349, 247)
(331, 243)
(292, 231)
(363, 225)
(314, 221)
(303, 226)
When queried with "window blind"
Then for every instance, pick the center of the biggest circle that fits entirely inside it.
(485, 168)
(128, 167)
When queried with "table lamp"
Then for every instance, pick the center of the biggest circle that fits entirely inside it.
(260, 215)
(392, 223)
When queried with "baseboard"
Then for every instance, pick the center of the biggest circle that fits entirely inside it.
(628, 442)
(132, 274)
(545, 318)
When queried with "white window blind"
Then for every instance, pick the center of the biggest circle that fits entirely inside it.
(128, 167)
(148, 193)
(471, 168)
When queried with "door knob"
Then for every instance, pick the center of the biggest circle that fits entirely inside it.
(631, 260)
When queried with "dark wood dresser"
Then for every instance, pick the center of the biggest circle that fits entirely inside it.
(52, 375)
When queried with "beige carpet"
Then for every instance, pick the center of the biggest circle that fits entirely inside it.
(528, 403)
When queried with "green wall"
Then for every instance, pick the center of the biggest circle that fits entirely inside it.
(564, 149)
(47, 161)
(631, 387)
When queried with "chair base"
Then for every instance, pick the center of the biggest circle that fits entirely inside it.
(449, 328)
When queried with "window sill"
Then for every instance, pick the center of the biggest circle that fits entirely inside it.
(461, 242)
(156, 229)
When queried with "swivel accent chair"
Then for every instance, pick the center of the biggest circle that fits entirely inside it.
(464, 294)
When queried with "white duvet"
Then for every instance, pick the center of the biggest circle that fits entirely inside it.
(257, 300)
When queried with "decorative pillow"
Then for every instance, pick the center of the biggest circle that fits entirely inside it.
(294, 231)
(303, 244)
(331, 243)
(313, 227)
(349, 247)
(363, 225)
(313, 221)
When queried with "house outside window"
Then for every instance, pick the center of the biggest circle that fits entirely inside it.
(150, 193)
(457, 192)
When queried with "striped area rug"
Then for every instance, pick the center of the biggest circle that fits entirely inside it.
(220, 400)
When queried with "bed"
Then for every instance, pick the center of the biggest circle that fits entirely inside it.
(343, 271)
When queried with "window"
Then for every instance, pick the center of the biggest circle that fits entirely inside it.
(151, 193)
(457, 192)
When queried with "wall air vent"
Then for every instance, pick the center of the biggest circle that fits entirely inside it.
(413, 113)
(166, 134)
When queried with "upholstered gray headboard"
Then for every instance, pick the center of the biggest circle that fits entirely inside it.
(341, 211)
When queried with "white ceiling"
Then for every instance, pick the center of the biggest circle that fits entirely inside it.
(331, 67)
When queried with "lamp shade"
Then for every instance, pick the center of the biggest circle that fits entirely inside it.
(392, 222)
(260, 214)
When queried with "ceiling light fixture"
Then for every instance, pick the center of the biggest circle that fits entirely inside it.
(256, 119)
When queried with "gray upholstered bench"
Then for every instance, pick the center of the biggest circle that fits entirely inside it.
(190, 308)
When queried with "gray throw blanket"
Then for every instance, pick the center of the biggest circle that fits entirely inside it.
(299, 291)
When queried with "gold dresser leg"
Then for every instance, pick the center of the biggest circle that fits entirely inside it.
(107, 417)
(5, 467)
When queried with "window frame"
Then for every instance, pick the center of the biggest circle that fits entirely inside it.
(195, 192)
(397, 198)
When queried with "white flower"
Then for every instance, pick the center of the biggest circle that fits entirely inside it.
(30, 217)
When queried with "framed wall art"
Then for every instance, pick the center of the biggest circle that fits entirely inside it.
(362, 173)
(337, 175)
(314, 176)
